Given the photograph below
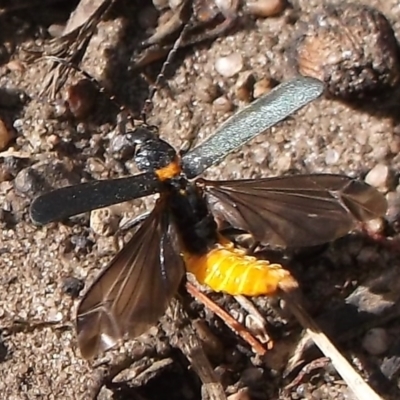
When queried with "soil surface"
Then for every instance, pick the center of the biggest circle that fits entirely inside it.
(39, 358)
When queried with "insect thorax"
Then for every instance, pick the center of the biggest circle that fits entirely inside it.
(196, 224)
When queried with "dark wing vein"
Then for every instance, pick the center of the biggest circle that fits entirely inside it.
(136, 287)
(302, 210)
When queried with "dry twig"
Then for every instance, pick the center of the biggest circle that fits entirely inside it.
(355, 382)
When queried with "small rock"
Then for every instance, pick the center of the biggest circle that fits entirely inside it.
(376, 341)
(121, 147)
(242, 394)
(81, 243)
(160, 4)
(27, 181)
(174, 4)
(261, 87)
(230, 65)
(206, 11)
(391, 365)
(45, 176)
(53, 140)
(81, 98)
(5, 135)
(332, 156)
(378, 176)
(284, 162)
(103, 221)
(227, 7)
(72, 286)
(266, 8)
(244, 86)
(222, 104)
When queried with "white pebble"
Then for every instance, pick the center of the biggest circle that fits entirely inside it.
(230, 65)
(332, 157)
(378, 176)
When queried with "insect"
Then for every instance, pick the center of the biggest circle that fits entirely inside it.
(180, 234)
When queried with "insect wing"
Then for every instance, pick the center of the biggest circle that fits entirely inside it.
(134, 290)
(303, 210)
(253, 120)
(72, 200)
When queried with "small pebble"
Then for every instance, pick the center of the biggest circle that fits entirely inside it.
(121, 147)
(160, 4)
(230, 65)
(81, 98)
(175, 4)
(284, 162)
(378, 176)
(242, 394)
(222, 104)
(105, 245)
(103, 221)
(332, 156)
(227, 7)
(81, 243)
(53, 140)
(72, 286)
(376, 341)
(95, 165)
(266, 8)
(26, 181)
(56, 30)
(262, 87)
(205, 11)
(45, 175)
(390, 366)
(244, 86)
(5, 136)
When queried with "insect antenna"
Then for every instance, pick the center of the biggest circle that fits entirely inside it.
(148, 104)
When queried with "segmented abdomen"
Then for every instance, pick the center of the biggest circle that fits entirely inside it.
(230, 270)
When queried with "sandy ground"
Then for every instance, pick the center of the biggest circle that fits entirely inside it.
(42, 362)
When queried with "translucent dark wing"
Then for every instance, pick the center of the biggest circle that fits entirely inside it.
(72, 200)
(253, 120)
(302, 210)
(134, 290)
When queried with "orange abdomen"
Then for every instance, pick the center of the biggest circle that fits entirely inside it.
(230, 270)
